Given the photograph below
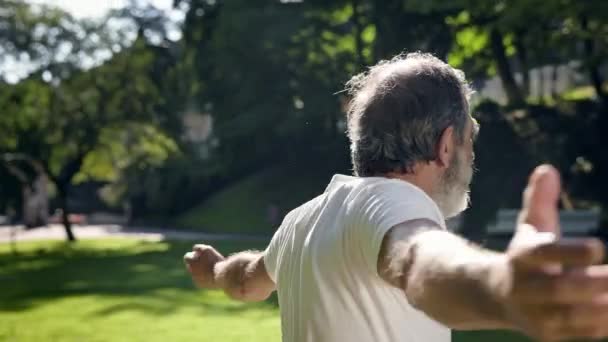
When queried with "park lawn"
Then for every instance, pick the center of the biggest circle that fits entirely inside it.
(119, 290)
(128, 290)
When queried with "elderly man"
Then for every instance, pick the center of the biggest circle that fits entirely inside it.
(371, 259)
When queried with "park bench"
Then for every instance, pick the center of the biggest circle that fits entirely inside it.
(573, 222)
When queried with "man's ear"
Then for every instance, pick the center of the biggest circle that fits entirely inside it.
(445, 147)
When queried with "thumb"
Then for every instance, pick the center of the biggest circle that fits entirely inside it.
(540, 201)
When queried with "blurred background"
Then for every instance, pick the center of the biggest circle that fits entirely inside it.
(140, 126)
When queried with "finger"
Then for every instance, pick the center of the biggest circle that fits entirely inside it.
(580, 321)
(201, 247)
(540, 200)
(589, 285)
(188, 258)
(528, 237)
(205, 250)
(191, 256)
(568, 252)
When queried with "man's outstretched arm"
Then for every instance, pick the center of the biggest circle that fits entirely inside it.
(444, 276)
(466, 287)
(242, 276)
(549, 289)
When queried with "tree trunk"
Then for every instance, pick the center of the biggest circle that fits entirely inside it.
(522, 56)
(592, 62)
(63, 182)
(596, 80)
(65, 214)
(358, 31)
(514, 96)
(378, 49)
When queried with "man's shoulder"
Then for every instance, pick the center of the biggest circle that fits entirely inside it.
(305, 209)
(362, 191)
(394, 200)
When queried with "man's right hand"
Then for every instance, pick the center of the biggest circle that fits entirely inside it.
(551, 288)
(201, 265)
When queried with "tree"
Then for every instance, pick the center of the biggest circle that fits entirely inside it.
(64, 120)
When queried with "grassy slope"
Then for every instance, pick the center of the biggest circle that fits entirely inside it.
(242, 207)
(125, 290)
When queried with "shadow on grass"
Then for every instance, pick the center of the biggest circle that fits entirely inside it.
(147, 277)
(150, 274)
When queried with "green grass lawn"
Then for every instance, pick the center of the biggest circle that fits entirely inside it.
(127, 290)
(119, 290)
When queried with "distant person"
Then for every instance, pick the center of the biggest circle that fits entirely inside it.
(273, 214)
(371, 259)
(11, 216)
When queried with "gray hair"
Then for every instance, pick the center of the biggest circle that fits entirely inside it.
(399, 110)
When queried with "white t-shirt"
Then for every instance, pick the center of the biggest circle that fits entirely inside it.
(324, 258)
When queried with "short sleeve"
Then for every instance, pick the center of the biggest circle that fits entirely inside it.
(383, 207)
(276, 246)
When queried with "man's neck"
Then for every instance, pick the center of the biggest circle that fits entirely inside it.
(422, 176)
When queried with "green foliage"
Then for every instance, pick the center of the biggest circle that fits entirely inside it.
(269, 74)
(121, 147)
(92, 122)
(581, 93)
(470, 41)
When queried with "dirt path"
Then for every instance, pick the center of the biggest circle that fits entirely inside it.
(56, 232)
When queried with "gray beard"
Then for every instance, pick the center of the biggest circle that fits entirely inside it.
(452, 197)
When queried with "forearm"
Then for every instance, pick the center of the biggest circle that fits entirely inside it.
(454, 282)
(243, 276)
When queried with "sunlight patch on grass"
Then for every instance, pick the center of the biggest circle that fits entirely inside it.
(117, 290)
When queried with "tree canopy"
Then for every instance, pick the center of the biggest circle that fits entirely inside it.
(166, 121)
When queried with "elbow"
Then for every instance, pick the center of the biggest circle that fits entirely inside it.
(256, 296)
(246, 289)
(245, 293)
(243, 279)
